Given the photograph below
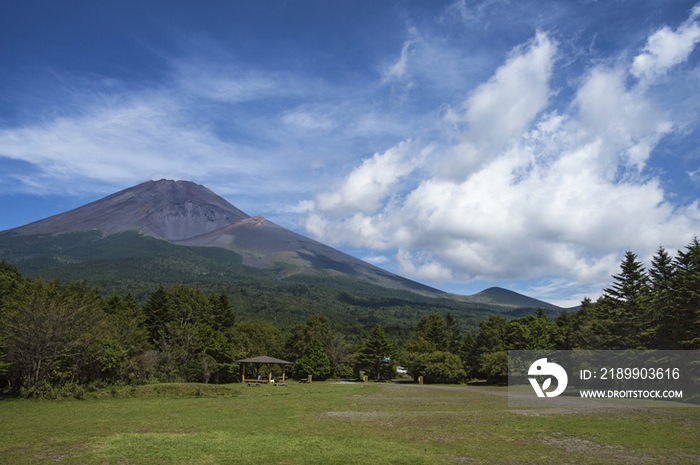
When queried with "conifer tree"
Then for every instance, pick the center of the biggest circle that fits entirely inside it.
(314, 362)
(659, 331)
(662, 271)
(490, 338)
(433, 329)
(632, 284)
(378, 354)
(157, 315)
(684, 321)
(454, 334)
(623, 307)
(566, 328)
(224, 314)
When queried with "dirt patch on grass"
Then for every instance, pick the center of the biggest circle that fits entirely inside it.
(571, 444)
(57, 454)
(460, 459)
(414, 401)
(550, 412)
(355, 415)
(611, 453)
(478, 390)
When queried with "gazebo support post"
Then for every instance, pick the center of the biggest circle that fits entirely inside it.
(243, 374)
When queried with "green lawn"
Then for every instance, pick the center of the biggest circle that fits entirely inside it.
(333, 423)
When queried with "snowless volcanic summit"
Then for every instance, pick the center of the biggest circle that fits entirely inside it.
(170, 210)
(185, 213)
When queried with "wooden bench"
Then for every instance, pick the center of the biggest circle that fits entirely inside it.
(258, 381)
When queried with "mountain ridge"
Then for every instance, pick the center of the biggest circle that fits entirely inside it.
(155, 208)
(187, 214)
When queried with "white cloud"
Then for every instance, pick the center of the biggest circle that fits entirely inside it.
(473, 14)
(667, 48)
(523, 190)
(513, 165)
(118, 143)
(421, 266)
(370, 182)
(221, 80)
(306, 120)
(398, 69)
(502, 108)
(303, 206)
(377, 259)
(195, 126)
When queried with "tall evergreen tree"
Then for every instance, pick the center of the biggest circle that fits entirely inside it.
(624, 305)
(684, 322)
(224, 314)
(378, 355)
(454, 334)
(317, 327)
(314, 362)
(659, 330)
(588, 330)
(566, 327)
(632, 284)
(433, 329)
(489, 339)
(157, 315)
(338, 351)
(662, 271)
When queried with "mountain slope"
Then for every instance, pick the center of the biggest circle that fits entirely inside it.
(263, 244)
(81, 242)
(500, 296)
(188, 214)
(170, 210)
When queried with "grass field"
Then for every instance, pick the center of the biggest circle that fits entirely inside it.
(329, 423)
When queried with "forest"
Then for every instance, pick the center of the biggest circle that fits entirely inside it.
(58, 338)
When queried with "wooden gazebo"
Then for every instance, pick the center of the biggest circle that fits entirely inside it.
(262, 360)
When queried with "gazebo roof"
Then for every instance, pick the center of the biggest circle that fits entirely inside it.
(264, 359)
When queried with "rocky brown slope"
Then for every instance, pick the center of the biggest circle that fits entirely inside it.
(186, 213)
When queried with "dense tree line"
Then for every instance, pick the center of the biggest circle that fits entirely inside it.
(54, 334)
(658, 308)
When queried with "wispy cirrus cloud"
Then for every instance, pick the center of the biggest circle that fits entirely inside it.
(399, 68)
(128, 138)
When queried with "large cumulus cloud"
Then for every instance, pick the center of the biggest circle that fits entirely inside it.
(522, 188)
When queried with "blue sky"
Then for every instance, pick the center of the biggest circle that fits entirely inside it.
(461, 144)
